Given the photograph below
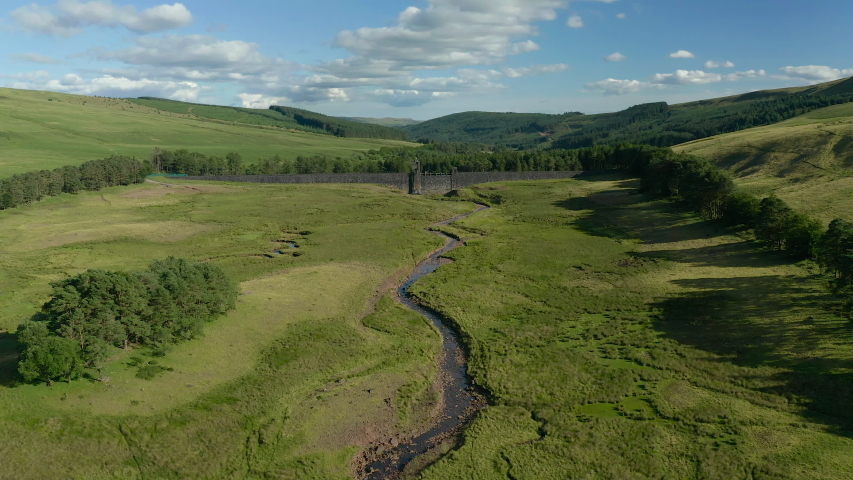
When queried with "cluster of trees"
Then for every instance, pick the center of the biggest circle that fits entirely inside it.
(339, 127)
(707, 189)
(96, 310)
(26, 188)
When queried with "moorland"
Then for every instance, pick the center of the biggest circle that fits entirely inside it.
(616, 331)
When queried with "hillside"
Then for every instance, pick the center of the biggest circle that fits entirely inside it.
(385, 122)
(47, 130)
(806, 160)
(277, 116)
(655, 123)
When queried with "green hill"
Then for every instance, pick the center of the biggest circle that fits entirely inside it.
(47, 130)
(385, 122)
(807, 160)
(277, 116)
(655, 123)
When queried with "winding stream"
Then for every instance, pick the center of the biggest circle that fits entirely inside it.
(460, 401)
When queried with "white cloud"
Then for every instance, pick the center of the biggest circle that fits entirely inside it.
(612, 86)
(811, 74)
(35, 58)
(712, 64)
(256, 100)
(687, 77)
(407, 98)
(734, 77)
(69, 17)
(681, 54)
(37, 76)
(535, 70)
(452, 33)
(575, 21)
(110, 86)
(621, 16)
(616, 57)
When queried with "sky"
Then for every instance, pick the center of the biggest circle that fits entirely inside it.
(423, 59)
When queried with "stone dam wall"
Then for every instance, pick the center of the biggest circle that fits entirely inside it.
(415, 183)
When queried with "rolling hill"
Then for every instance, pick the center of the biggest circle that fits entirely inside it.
(655, 123)
(385, 122)
(45, 130)
(805, 160)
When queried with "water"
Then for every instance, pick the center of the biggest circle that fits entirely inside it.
(461, 402)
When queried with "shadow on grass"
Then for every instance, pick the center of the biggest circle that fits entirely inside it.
(9, 349)
(751, 320)
(765, 321)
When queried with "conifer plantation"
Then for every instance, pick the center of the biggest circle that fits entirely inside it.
(89, 313)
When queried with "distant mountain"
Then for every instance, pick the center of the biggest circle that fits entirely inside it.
(655, 123)
(385, 122)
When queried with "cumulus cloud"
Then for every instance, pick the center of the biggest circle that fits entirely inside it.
(616, 57)
(452, 33)
(110, 86)
(256, 100)
(34, 58)
(407, 98)
(734, 77)
(712, 64)
(612, 86)
(811, 74)
(575, 21)
(686, 77)
(70, 17)
(681, 54)
(535, 70)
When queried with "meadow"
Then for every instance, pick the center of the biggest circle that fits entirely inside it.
(618, 337)
(316, 362)
(45, 130)
(805, 160)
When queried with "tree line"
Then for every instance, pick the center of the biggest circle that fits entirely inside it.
(338, 126)
(27, 188)
(707, 189)
(92, 312)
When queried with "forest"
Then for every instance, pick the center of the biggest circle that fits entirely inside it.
(88, 313)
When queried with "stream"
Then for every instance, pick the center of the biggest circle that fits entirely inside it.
(460, 401)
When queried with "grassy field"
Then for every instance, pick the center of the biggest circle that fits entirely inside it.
(47, 130)
(291, 384)
(619, 338)
(806, 160)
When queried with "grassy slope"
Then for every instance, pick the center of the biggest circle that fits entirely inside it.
(36, 133)
(690, 354)
(806, 160)
(259, 393)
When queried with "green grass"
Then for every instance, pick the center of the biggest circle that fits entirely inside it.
(806, 160)
(620, 338)
(45, 130)
(291, 384)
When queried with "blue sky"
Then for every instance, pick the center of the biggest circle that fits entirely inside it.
(424, 58)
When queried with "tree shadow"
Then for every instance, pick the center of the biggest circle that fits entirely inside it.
(9, 350)
(767, 321)
(776, 321)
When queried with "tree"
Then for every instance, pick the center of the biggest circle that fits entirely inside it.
(774, 219)
(235, 163)
(47, 357)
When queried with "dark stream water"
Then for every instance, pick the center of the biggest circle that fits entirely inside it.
(461, 402)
